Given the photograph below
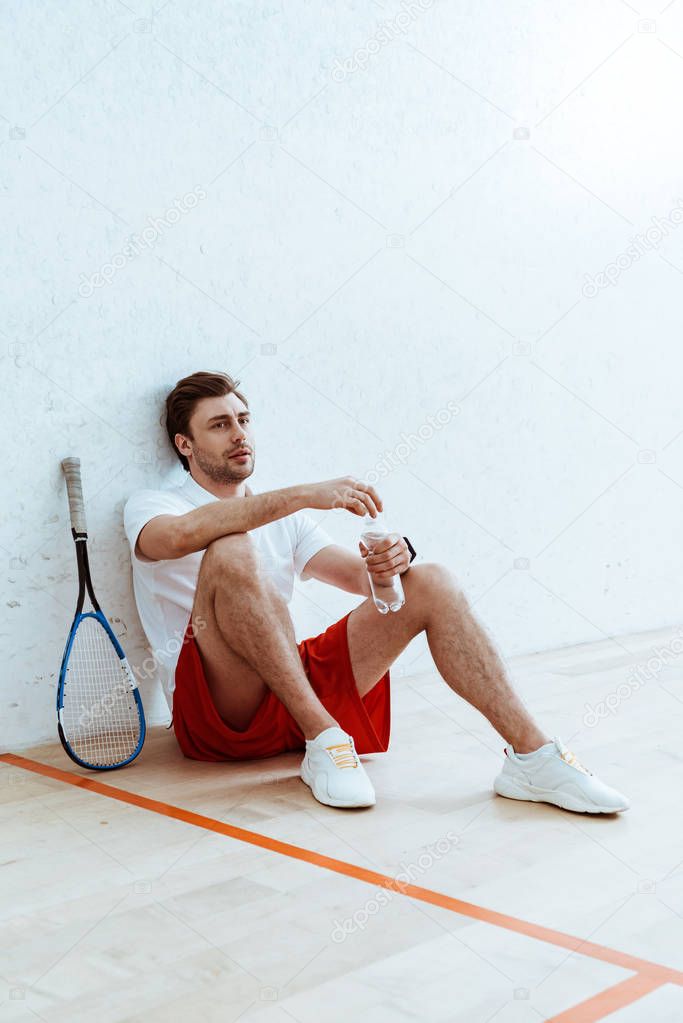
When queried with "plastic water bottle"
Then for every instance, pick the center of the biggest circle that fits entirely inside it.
(387, 596)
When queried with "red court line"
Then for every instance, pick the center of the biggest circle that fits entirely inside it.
(609, 1000)
(648, 976)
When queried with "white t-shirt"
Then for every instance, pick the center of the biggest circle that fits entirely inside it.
(164, 590)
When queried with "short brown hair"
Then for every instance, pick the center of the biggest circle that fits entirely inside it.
(181, 402)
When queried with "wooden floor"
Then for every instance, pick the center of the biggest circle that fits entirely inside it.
(441, 903)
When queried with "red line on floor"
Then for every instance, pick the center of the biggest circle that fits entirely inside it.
(648, 975)
(612, 998)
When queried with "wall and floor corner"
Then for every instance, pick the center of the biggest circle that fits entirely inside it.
(439, 246)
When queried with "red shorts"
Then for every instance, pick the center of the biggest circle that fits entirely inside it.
(203, 735)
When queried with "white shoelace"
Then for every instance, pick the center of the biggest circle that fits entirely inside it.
(569, 758)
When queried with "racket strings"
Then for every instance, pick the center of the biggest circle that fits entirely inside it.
(100, 716)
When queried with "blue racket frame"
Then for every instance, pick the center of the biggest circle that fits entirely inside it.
(85, 584)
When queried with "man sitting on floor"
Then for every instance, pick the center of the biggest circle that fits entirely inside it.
(213, 573)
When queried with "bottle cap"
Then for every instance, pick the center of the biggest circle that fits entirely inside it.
(375, 525)
(377, 520)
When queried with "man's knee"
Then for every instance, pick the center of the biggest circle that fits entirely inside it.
(229, 556)
(430, 576)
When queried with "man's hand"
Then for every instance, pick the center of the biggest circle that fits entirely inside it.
(390, 557)
(346, 492)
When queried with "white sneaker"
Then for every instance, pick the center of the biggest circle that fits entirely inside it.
(333, 772)
(552, 774)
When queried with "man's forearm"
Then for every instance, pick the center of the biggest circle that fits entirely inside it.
(198, 528)
(363, 581)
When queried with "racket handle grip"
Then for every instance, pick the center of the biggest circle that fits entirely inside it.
(71, 467)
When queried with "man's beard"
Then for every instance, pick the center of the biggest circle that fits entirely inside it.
(222, 472)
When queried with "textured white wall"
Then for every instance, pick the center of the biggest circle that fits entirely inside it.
(401, 206)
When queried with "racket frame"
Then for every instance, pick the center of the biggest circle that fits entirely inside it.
(85, 585)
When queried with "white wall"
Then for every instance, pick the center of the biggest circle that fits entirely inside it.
(402, 205)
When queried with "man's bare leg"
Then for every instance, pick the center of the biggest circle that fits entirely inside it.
(246, 639)
(462, 652)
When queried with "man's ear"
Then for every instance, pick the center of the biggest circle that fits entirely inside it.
(182, 444)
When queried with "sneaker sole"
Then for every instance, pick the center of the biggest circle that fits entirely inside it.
(338, 803)
(509, 790)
